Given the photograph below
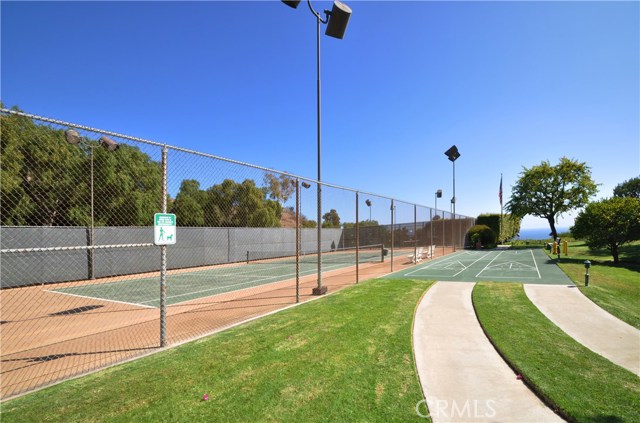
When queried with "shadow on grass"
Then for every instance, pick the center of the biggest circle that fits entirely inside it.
(52, 357)
(629, 265)
(604, 419)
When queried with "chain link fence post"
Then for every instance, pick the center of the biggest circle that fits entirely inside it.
(357, 241)
(393, 230)
(298, 239)
(415, 232)
(163, 258)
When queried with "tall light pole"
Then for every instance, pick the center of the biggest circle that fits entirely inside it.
(437, 195)
(453, 155)
(73, 137)
(305, 185)
(336, 21)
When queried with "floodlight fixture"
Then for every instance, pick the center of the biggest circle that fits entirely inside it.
(72, 136)
(338, 19)
(439, 193)
(306, 185)
(291, 3)
(368, 203)
(452, 153)
(108, 143)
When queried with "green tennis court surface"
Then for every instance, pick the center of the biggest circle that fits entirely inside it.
(525, 266)
(186, 286)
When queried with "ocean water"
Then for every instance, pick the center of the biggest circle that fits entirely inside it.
(539, 233)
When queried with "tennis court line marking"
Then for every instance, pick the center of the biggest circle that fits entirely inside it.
(281, 278)
(432, 264)
(514, 277)
(467, 253)
(100, 298)
(489, 264)
(253, 280)
(511, 263)
(531, 268)
(470, 265)
(536, 263)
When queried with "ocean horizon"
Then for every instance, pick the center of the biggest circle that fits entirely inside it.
(539, 233)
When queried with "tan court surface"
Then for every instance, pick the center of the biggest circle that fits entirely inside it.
(70, 334)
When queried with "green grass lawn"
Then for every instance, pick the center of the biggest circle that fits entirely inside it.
(583, 385)
(346, 357)
(615, 288)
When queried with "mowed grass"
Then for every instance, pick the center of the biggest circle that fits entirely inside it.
(346, 357)
(584, 386)
(615, 288)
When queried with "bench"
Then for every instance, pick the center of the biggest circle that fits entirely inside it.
(430, 251)
(417, 257)
(421, 254)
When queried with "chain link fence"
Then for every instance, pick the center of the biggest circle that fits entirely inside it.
(83, 284)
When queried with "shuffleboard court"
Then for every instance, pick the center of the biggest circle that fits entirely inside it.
(526, 266)
(192, 285)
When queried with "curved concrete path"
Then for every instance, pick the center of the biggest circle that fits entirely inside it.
(588, 324)
(463, 377)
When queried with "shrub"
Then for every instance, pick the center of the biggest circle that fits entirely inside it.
(486, 235)
(510, 224)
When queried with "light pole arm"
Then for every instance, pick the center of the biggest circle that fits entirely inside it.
(326, 12)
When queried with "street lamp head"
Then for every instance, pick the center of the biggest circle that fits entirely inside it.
(291, 3)
(72, 136)
(452, 153)
(306, 185)
(338, 20)
(439, 193)
(368, 203)
(108, 143)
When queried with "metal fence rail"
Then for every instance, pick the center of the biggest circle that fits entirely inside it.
(83, 286)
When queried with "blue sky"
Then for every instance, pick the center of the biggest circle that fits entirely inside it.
(510, 83)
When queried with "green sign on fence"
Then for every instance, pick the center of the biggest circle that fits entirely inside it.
(164, 229)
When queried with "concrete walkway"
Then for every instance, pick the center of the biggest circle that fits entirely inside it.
(463, 377)
(588, 324)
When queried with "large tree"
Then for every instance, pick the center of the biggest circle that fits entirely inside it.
(548, 191)
(232, 204)
(331, 219)
(609, 223)
(128, 187)
(189, 204)
(46, 181)
(279, 187)
(630, 188)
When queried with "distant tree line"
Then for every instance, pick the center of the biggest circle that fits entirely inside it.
(46, 182)
(229, 204)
